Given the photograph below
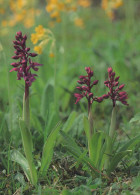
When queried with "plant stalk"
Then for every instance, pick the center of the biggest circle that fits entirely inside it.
(110, 141)
(113, 123)
(90, 118)
(26, 108)
(26, 135)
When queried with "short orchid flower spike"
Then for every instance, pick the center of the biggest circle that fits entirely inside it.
(86, 87)
(115, 93)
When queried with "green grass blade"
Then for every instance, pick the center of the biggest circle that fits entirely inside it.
(48, 149)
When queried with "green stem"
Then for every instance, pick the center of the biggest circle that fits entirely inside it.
(90, 118)
(27, 137)
(109, 142)
(113, 123)
(26, 108)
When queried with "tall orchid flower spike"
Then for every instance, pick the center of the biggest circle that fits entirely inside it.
(23, 67)
(85, 91)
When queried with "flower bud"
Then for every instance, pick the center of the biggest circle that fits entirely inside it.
(90, 95)
(25, 37)
(116, 84)
(79, 88)
(106, 82)
(27, 49)
(113, 74)
(117, 78)
(80, 82)
(105, 96)
(19, 33)
(84, 88)
(95, 82)
(109, 70)
(99, 99)
(15, 57)
(121, 86)
(15, 64)
(33, 54)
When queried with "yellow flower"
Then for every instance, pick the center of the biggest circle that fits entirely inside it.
(51, 24)
(50, 7)
(4, 23)
(20, 3)
(38, 49)
(104, 4)
(29, 22)
(55, 14)
(60, 6)
(34, 38)
(79, 22)
(40, 30)
(51, 55)
(2, 11)
(110, 14)
(117, 4)
(58, 20)
(84, 3)
(12, 22)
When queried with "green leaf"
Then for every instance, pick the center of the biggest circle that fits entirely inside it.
(17, 157)
(77, 153)
(48, 149)
(87, 127)
(28, 148)
(116, 159)
(130, 143)
(136, 118)
(71, 144)
(68, 124)
(96, 145)
(47, 99)
(52, 120)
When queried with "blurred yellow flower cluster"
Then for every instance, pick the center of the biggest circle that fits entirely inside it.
(21, 11)
(43, 37)
(55, 7)
(79, 22)
(110, 6)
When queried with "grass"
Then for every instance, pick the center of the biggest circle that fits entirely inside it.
(100, 44)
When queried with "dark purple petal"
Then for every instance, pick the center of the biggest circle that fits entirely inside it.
(32, 54)
(15, 57)
(95, 82)
(121, 86)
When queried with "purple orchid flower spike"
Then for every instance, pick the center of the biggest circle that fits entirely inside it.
(24, 65)
(114, 89)
(86, 87)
